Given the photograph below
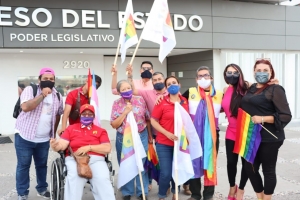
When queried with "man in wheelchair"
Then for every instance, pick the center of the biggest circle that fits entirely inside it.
(86, 138)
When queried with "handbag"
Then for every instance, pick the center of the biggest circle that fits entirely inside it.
(83, 168)
(75, 113)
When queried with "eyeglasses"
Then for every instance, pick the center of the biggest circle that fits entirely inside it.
(230, 73)
(206, 76)
(146, 68)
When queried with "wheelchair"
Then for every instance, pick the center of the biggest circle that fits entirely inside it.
(59, 173)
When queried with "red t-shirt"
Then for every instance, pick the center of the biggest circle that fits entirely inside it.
(79, 137)
(164, 114)
(71, 100)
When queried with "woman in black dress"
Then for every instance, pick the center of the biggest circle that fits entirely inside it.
(267, 104)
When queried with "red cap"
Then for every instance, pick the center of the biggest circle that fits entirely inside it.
(87, 107)
(47, 70)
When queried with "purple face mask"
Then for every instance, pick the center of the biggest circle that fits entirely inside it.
(86, 120)
(126, 95)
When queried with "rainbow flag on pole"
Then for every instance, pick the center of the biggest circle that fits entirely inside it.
(132, 152)
(89, 84)
(248, 136)
(128, 36)
(94, 102)
(159, 28)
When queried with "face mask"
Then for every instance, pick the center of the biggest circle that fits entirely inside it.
(47, 84)
(86, 120)
(232, 80)
(126, 95)
(262, 77)
(204, 83)
(159, 86)
(146, 74)
(173, 89)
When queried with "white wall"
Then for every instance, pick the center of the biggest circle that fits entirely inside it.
(13, 66)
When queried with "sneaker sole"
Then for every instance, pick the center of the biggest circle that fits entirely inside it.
(43, 196)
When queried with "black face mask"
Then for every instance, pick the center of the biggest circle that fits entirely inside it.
(232, 80)
(146, 74)
(159, 86)
(47, 84)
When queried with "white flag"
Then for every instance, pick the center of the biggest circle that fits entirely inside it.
(128, 36)
(188, 146)
(159, 28)
(132, 152)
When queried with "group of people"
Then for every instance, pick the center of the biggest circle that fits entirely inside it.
(152, 100)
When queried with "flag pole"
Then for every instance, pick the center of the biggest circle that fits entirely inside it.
(268, 131)
(176, 170)
(116, 57)
(134, 53)
(142, 185)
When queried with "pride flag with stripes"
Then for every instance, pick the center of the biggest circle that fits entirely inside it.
(248, 137)
(128, 36)
(94, 101)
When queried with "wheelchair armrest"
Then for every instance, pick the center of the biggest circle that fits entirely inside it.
(62, 154)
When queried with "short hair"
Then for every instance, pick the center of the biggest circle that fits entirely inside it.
(169, 78)
(147, 62)
(157, 73)
(203, 68)
(119, 84)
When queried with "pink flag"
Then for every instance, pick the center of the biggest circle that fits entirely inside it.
(94, 102)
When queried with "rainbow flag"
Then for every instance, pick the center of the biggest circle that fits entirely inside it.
(128, 36)
(187, 148)
(152, 163)
(89, 84)
(132, 152)
(159, 28)
(248, 136)
(94, 102)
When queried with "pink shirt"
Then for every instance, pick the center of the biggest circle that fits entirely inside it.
(231, 129)
(140, 85)
(150, 97)
(140, 112)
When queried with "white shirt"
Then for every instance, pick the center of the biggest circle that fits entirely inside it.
(45, 121)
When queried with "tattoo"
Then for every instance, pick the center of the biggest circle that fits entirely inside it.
(32, 104)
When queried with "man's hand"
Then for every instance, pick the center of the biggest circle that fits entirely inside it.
(159, 99)
(129, 70)
(114, 70)
(54, 143)
(128, 108)
(46, 91)
(82, 150)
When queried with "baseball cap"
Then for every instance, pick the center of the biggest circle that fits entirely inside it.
(47, 70)
(87, 107)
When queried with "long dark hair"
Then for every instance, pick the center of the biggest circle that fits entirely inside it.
(266, 62)
(239, 90)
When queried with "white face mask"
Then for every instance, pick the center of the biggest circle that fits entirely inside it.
(204, 83)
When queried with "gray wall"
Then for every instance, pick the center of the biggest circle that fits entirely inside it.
(227, 24)
(188, 64)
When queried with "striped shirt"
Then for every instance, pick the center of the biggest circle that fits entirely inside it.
(27, 122)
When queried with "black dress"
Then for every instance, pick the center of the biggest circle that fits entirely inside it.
(271, 101)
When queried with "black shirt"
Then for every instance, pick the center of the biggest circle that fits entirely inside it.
(270, 102)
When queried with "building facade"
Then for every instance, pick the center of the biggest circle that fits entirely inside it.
(72, 36)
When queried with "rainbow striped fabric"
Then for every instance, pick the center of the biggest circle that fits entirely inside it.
(248, 137)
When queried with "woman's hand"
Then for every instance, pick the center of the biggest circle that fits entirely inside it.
(159, 99)
(82, 150)
(257, 119)
(128, 108)
(54, 143)
(171, 136)
(274, 81)
(150, 140)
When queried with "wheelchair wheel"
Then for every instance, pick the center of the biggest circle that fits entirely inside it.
(57, 181)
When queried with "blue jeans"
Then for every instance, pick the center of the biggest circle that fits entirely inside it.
(128, 188)
(165, 157)
(25, 150)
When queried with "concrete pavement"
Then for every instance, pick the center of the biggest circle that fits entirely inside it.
(288, 168)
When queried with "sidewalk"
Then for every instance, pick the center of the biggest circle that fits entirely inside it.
(288, 176)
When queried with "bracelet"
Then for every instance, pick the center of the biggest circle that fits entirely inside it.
(262, 120)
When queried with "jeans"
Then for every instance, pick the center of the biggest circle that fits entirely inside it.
(128, 188)
(232, 160)
(165, 157)
(195, 184)
(267, 157)
(25, 150)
